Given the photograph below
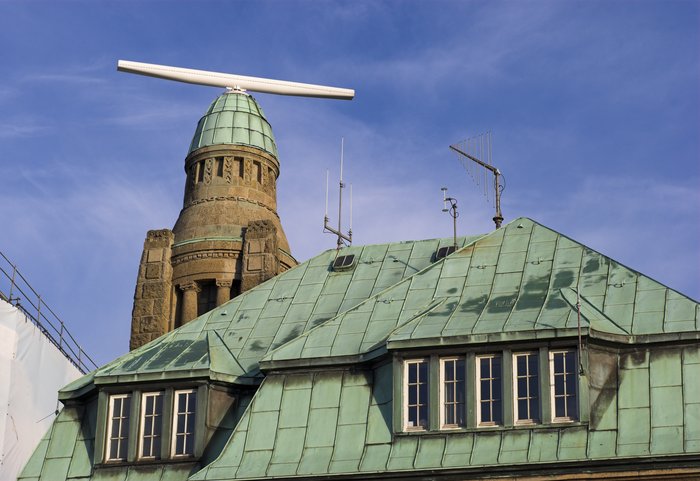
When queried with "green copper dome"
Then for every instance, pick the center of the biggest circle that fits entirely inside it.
(234, 118)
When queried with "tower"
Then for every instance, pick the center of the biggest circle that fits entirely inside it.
(228, 237)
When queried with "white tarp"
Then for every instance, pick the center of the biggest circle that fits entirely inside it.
(32, 370)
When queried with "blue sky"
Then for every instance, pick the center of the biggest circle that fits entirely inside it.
(594, 108)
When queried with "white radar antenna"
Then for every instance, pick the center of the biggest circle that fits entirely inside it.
(235, 82)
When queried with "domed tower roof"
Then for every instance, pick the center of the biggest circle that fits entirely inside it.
(234, 118)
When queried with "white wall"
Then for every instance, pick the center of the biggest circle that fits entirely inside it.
(32, 370)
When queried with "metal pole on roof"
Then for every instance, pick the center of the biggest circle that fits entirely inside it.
(453, 212)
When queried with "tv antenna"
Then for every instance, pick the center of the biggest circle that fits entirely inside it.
(343, 239)
(235, 83)
(478, 150)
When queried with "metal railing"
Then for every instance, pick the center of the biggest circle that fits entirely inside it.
(16, 290)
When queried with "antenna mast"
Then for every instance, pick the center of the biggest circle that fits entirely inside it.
(342, 238)
(453, 213)
(481, 146)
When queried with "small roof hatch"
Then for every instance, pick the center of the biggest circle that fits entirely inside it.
(444, 252)
(343, 263)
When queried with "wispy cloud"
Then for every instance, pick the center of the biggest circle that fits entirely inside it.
(21, 128)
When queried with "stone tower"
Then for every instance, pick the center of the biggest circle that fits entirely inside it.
(228, 237)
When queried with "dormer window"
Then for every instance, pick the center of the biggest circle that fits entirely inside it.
(165, 429)
(151, 425)
(183, 422)
(489, 390)
(417, 394)
(118, 427)
(564, 385)
(478, 390)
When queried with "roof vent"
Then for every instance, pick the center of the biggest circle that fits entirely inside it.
(344, 263)
(444, 252)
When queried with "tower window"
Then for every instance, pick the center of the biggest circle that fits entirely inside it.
(118, 427)
(238, 166)
(258, 171)
(206, 298)
(183, 422)
(200, 171)
(219, 166)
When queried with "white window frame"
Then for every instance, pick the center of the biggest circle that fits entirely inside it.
(126, 397)
(456, 405)
(478, 358)
(406, 365)
(142, 423)
(176, 411)
(516, 412)
(568, 418)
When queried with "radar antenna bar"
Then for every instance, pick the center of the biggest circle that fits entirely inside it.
(236, 82)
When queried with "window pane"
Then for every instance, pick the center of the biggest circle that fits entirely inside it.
(412, 396)
(485, 368)
(571, 407)
(146, 451)
(497, 388)
(497, 412)
(412, 373)
(522, 387)
(559, 407)
(449, 370)
(558, 362)
(485, 412)
(521, 362)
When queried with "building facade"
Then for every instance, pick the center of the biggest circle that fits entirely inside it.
(228, 237)
(394, 363)
(520, 354)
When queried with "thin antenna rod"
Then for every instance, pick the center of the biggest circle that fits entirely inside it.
(342, 238)
(325, 212)
(580, 345)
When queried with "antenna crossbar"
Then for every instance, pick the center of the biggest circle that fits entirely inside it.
(497, 183)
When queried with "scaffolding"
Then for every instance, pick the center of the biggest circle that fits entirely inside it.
(16, 290)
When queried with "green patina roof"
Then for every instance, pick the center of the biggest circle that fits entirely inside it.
(227, 343)
(339, 422)
(234, 118)
(517, 283)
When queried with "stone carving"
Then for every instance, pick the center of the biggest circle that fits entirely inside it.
(190, 286)
(205, 255)
(223, 283)
(234, 198)
(228, 169)
(247, 171)
(208, 166)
